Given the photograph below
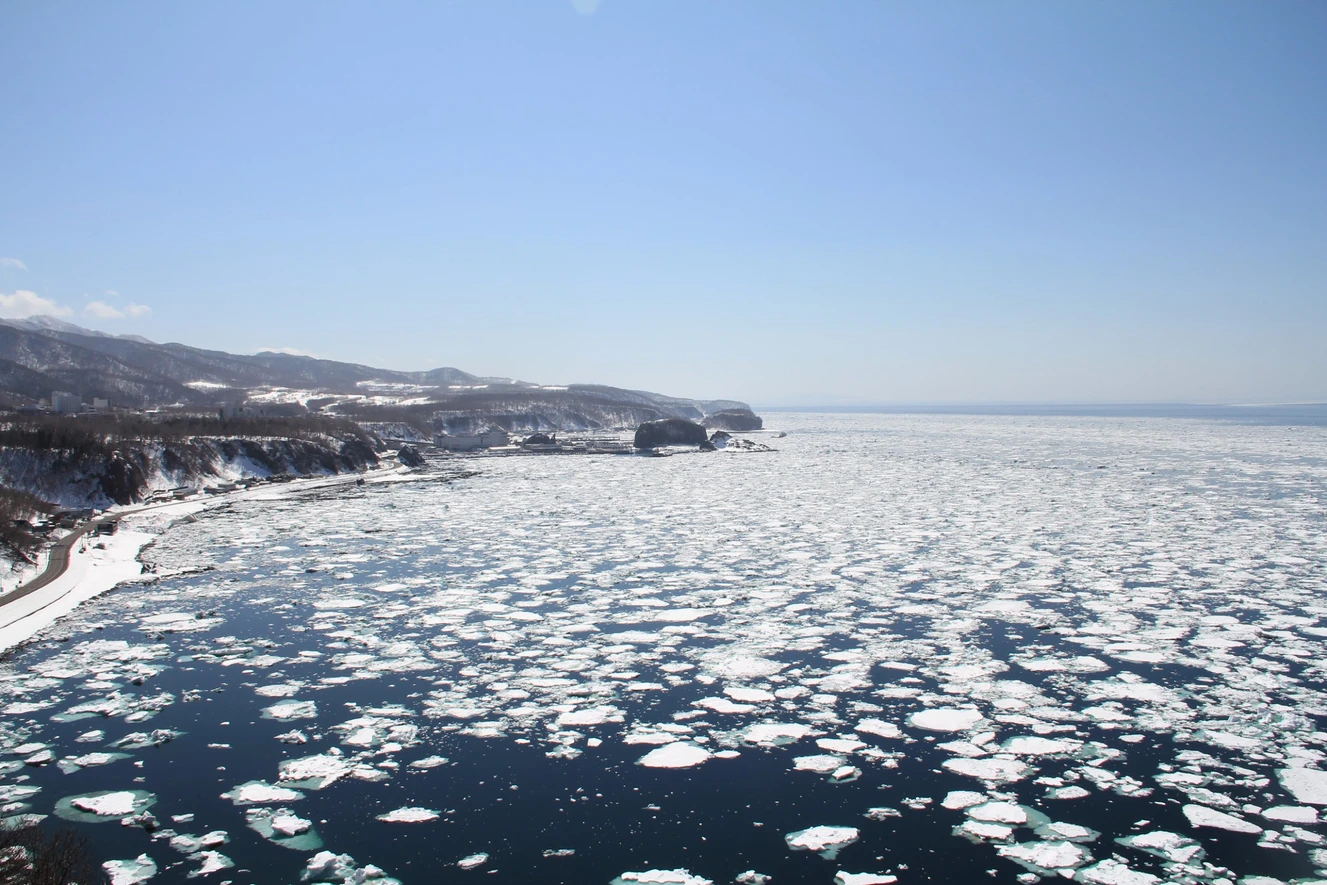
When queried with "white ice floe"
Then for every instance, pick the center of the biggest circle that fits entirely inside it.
(661, 877)
(999, 813)
(589, 716)
(130, 872)
(408, 815)
(819, 764)
(994, 770)
(1295, 814)
(751, 877)
(473, 861)
(681, 754)
(314, 772)
(116, 804)
(879, 728)
(285, 828)
(1202, 816)
(77, 763)
(1112, 872)
(1308, 785)
(723, 705)
(980, 831)
(1067, 832)
(429, 762)
(1040, 746)
(261, 793)
(776, 733)
(945, 719)
(212, 862)
(1171, 846)
(845, 878)
(1046, 857)
(287, 824)
(824, 840)
(287, 710)
(958, 800)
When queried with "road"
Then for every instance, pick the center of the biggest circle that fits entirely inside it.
(61, 549)
(59, 561)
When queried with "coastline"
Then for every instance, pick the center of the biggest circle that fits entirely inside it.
(93, 570)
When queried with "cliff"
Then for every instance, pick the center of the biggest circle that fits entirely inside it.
(128, 471)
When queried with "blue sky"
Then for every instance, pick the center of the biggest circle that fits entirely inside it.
(782, 202)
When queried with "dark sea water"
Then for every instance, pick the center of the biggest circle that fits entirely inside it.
(992, 645)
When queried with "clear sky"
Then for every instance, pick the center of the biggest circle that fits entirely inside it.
(791, 202)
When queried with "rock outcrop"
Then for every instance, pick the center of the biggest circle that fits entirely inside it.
(410, 457)
(669, 432)
(734, 419)
(125, 474)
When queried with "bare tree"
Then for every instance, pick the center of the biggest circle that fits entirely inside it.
(30, 855)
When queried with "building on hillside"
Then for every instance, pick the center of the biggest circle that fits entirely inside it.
(66, 403)
(232, 411)
(471, 442)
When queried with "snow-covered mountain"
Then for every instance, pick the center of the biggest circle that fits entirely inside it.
(40, 355)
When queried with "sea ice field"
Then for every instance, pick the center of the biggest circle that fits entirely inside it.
(899, 648)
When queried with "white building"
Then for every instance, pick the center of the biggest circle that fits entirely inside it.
(470, 443)
(66, 403)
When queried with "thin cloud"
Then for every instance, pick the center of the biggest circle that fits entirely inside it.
(24, 304)
(13, 263)
(102, 311)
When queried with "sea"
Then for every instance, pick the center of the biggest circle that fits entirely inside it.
(896, 647)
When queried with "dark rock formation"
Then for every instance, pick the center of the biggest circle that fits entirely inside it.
(669, 432)
(719, 438)
(734, 419)
(99, 475)
(410, 457)
(538, 439)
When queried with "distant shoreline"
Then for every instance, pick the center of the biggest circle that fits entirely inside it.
(1302, 414)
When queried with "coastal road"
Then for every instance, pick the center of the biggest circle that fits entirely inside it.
(59, 561)
(63, 548)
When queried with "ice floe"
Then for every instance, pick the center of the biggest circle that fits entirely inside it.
(827, 841)
(130, 872)
(661, 877)
(408, 815)
(680, 754)
(843, 878)
(945, 719)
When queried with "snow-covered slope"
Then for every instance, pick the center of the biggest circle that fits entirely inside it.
(134, 470)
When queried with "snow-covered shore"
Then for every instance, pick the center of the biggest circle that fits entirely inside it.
(98, 564)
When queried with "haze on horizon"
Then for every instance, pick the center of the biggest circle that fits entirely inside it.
(786, 204)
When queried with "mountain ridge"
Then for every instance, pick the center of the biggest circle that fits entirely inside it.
(41, 355)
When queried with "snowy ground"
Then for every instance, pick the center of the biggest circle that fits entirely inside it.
(902, 647)
(100, 563)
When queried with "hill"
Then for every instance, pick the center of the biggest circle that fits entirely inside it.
(41, 355)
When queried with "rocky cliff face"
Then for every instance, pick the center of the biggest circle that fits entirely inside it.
(670, 432)
(132, 470)
(734, 419)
